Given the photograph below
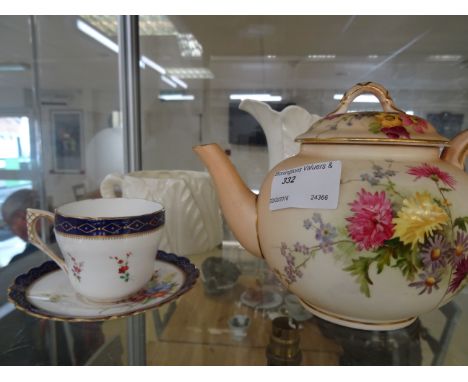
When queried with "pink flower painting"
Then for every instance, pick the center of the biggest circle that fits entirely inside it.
(418, 233)
(461, 272)
(419, 125)
(432, 172)
(371, 223)
(395, 132)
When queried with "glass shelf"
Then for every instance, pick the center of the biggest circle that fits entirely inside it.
(195, 330)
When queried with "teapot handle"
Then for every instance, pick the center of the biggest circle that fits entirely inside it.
(458, 150)
(367, 87)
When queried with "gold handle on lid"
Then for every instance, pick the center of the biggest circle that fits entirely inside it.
(367, 87)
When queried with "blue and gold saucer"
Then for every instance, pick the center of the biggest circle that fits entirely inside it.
(45, 292)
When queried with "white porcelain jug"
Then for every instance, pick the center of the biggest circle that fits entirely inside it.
(193, 220)
(280, 128)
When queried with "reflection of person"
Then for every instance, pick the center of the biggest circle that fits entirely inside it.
(87, 337)
(14, 215)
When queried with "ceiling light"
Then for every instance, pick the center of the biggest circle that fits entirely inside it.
(96, 35)
(363, 98)
(144, 61)
(153, 65)
(149, 25)
(410, 112)
(445, 57)
(176, 97)
(104, 40)
(168, 81)
(258, 97)
(321, 57)
(13, 67)
(191, 73)
(179, 82)
(106, 24)
(99, 37)
(189, 45)
(156, 25)
(372, 56)
(271, 56)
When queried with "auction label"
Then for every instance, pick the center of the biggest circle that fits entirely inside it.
(313, 185)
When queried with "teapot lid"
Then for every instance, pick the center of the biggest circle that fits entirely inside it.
(392, 126)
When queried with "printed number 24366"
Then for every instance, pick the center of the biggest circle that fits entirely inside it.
(319, 197)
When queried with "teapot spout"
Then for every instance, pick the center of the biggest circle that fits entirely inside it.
(456, 153)
(238, 202)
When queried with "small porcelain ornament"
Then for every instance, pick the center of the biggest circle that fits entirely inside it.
(108, 245)
(396, 245)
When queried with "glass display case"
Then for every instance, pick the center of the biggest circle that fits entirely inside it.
(83, 97)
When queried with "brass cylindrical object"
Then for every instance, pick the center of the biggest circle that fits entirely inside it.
(283, 349)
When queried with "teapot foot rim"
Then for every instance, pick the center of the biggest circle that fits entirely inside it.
(357, 324)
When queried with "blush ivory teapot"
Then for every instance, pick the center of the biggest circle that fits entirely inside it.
(395, 246)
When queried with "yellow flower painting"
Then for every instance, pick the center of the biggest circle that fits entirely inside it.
(415, 232)
(419, 216)
(389, 120)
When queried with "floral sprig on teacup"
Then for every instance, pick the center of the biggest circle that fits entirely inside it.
(123, 269)
(76, 267)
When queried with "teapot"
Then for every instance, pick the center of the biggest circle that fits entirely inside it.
(395, 243)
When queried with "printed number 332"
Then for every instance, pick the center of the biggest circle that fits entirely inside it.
(288, 179)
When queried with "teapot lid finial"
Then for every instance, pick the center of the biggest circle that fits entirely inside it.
(392, 126)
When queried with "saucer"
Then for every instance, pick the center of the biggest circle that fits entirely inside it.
(45, 292)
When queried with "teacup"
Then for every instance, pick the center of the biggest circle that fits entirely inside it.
(193, 220)
(108, 245)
